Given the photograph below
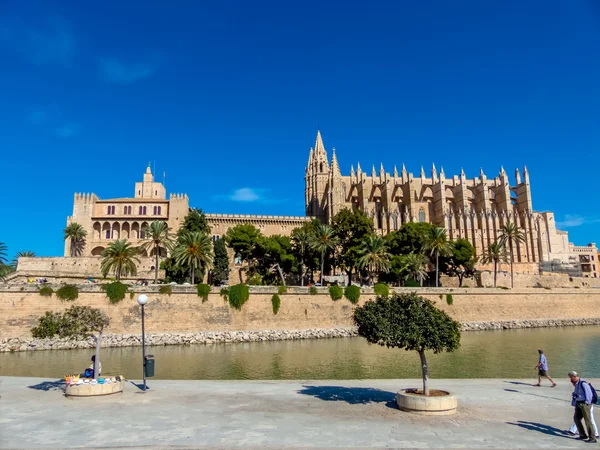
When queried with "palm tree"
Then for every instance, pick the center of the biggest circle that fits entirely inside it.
(496, 253)
(76, 234)
(3, 251)
(23, 254)
(301, 239)
(323, 241)
(437, 245)
(193, 250)
(158, 237)
(414, 266)
(121, 258)
(509, 234)
(374, 255)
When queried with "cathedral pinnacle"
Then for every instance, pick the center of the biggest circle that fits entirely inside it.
(517, 176)
(373, 173)
(433, 172)
(358, 169)
(352, 174)
(395, 171)
(422, 172)
(335, 167)
(319, 147)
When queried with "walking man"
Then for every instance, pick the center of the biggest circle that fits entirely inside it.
(542, 369)
(582, 401)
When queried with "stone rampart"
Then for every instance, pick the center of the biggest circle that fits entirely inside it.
(184, 312)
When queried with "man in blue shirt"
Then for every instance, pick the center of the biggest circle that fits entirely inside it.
(582, 401)
(542, 369)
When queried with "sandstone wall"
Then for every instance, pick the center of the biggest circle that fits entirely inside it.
(523, 280)
(183, 311)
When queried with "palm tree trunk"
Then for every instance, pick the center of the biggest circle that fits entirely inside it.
(495, 271)
(156, 265)
(118, 273)
(512, 282)
(192, 273)
(436, 269)
(302, 271)
(322, 265)
(425, 371)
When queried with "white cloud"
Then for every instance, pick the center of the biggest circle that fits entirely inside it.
(573, 220)
(68, 130)
(115, 71)
(246, 195)
(49, 43)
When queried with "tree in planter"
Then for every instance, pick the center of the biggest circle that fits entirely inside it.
(323, 241)
(496, 253)
(76, 235)
(194, 250)
(221, 270)
(374, 256)
(243, 239)
(437, 244)
(410, 322)
(158, 238)
(509, 234)
(121, 258)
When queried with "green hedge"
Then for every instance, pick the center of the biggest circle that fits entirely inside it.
(67, 293)
(165, 289)
(336, 292)
(381, 289)
(352, 293)
(203, 291)
(46, 291)
(224, 292)
(282, 290)
(312, 290)
(115, 291)
(238, 295)
(412, 283)
(276, 302)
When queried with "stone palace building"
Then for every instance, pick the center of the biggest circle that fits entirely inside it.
(469, 208)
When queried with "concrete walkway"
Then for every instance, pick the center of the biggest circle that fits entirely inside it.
(282, 414)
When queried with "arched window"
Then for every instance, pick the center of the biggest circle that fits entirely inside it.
(421, 215)
(155, 209)
(113, 209)
(141, 210)
(159, 212)
(144, 210)
(321, 167)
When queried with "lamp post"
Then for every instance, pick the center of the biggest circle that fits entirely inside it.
(142, 300)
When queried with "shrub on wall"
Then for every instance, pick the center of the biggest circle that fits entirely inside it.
(255, 280)
(336, 292)
(224, 292)
(312, 290)
(115, 291)
(68, 293)
(352, 293)
(381, 289)
(276, 302)
(46, 291)
(412, 283)
(165, 289)
(282, 290)
(203, 291)
(449, 299)
(238, 295)
(131, 294)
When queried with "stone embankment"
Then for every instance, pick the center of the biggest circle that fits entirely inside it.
(133, 340)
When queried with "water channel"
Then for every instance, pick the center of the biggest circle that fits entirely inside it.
(486, 354)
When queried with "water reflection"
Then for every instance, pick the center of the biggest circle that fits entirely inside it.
(501, 354)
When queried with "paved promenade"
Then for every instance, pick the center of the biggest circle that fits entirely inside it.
(282, 414)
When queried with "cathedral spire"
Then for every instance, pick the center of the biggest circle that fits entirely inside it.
(517, 176)
(319, 147)
(404, 174)
(422, 172)
(395, 171)
(358, 169)
(525, 174)
(335, 168)
(373, 173)
(433, 172)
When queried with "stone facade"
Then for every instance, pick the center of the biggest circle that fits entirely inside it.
(469, 208)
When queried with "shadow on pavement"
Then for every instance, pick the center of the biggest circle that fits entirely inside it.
(351, 395)
(538, 395)
(520, 383)
(140, 386)
(57, 385)
(540, 427)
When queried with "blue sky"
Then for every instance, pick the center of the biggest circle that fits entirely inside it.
(225, 97)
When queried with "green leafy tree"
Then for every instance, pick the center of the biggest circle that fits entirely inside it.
(496, 253)
(413, 267)
(351, 228)
(194, 221)
(323, 241)
(436, 245)
(76, 235)
(194, 250)
(511, 234)
(410, 238)
(410, 322)
(301, 238)
(121, 258)
(221, 270)
(461, 263)
(158, 238)
(374, 255)
(243, 239)
(273, 255)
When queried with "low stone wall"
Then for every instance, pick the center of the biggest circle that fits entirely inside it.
(135, 340)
